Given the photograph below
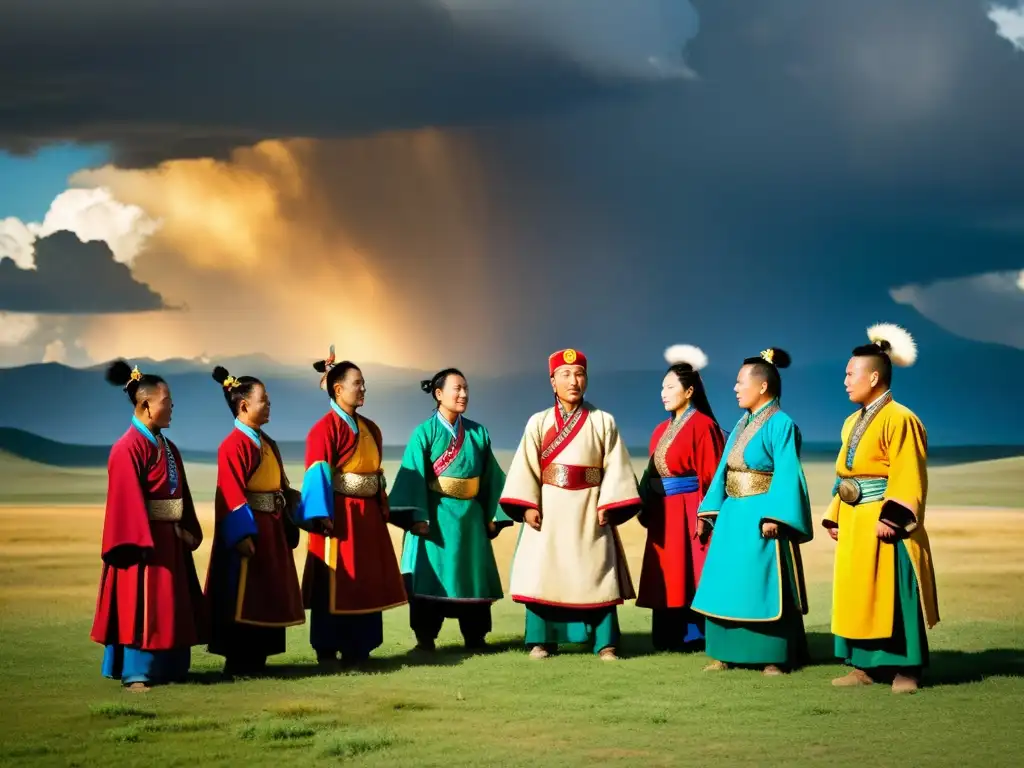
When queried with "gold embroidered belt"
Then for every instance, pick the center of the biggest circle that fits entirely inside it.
(456, 487)
(572, 477)
(746, 482)
(165, 510)
(265, 501)
(357, 484)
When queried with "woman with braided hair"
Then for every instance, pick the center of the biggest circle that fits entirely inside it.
(752, 589)
(251, 585)
(446, 497)
(150, 609)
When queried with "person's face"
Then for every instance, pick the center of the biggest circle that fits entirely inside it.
(749, 389)
(861, 379)
(673, 396)
(256, 407)
(351, 389)
(158, 406)
(569, 383)
(454, 395)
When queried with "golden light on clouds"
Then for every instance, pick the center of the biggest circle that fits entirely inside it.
(291, 246)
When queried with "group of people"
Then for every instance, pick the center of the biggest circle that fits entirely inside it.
(725, 520)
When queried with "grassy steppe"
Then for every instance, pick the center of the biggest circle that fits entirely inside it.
(500, 708)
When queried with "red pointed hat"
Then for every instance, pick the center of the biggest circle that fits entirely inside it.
(566, 357)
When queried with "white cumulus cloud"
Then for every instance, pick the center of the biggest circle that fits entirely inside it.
(16, 241)
(987, 307)
(1009, 22)
(15, 328)
(92, 214)
(55, 352)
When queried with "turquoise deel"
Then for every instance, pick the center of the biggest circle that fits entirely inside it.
(742, 579)
(907, 647)
(781, 642)
(455, 559)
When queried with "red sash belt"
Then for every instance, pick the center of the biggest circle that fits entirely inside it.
(571, 477)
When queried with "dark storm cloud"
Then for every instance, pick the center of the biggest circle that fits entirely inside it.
(826, 153)
(190, 79)
(72, 277)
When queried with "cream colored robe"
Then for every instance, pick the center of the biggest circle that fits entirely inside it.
(571, 561)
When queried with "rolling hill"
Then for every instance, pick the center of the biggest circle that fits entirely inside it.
(964, 397)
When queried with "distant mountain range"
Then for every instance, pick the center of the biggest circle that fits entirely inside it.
(967, 397)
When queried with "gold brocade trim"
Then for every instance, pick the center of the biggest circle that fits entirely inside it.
(243, 576)
(356, 484)
(456, 487)
(735, 459)
(259, 501)
(563, 475)
(863, 422)
(661, 452)
(165, 510)
(740, 483)
(564, 433)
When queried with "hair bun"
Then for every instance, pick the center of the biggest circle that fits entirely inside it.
(119, 373)
(780, 358)
(220, 373)
(427, 386)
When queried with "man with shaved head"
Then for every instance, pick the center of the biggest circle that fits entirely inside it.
(884, 593)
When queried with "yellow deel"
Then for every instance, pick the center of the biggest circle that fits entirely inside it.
(895, 446)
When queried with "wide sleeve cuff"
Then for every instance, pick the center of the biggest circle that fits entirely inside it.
(237, 525)
(898, 516)
(317, 496)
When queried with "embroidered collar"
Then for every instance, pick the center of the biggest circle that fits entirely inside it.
(754, 414)
(345, 417)
(452, 428)
(685, 415)
(144, 430)
(249, 432)
(877, 401)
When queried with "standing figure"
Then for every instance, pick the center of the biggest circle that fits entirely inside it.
(351, 572)
(685, 452)
(446, 496)
(571, 482)
(752, 590)
(150, 609)
(251, 584)
(884, 591)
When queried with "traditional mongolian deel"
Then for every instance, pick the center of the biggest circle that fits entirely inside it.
(572, 573)
(752, 588)
(352, 574)
(685, 452)
(252, 599)
(150, 609)
(884, 592)
(450, 479)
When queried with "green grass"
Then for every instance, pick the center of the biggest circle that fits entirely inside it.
(458, 709)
